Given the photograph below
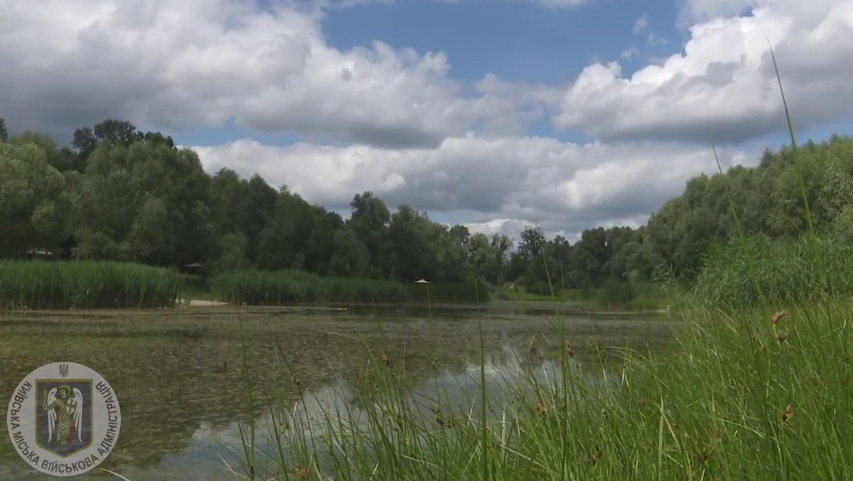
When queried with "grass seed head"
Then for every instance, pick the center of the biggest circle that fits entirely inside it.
(541, 408)
(787, 413)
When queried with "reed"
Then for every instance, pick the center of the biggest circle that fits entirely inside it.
(275, 288)
(736, 276)
(86, 285)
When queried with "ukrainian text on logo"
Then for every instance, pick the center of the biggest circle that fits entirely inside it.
(64, 419)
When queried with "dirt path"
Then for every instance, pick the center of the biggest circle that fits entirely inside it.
(204, 303)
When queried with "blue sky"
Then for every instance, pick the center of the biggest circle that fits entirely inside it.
(493, 113)
(517, 41)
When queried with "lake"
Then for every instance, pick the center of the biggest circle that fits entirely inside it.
(177, 373)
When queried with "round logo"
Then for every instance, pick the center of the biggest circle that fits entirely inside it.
(64, 419)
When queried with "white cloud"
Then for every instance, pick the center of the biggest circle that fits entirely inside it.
(699, 11)
(629, 53)
(544, 3)
(402, 127)
(197, 62)
(641, 23)
(358, 3)
(562, 3)
(722, 88)
(516, 180)
(656, 40)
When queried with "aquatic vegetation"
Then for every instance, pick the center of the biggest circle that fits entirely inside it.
(271, 288)
(759, 397)
(86, 285)
(783, 270)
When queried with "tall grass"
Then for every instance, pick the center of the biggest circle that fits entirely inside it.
(696, 413)
(761, 392)
(86, 285)
(781, 270)
(612, 295)
(275, 288)
(630, 295)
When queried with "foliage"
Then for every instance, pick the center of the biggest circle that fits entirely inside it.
(86, 285)
(783, 270)
(33, 202)
(768, 200)
(613, 295)
(298, 287)
(121, 194)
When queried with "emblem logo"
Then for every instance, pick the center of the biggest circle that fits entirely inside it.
(64, 419)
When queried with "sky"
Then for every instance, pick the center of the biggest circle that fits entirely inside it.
(496, 114)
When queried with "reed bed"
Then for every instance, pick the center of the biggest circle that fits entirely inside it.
(764, 396)
(86, 285)
(274, 288)
(735, 276)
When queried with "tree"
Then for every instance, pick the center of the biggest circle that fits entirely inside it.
(34, 211)
(351, 257)
(133, 195)
(370, 221)
(114, 132)
(532, 242)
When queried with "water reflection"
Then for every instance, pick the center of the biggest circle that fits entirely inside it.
(181, 385)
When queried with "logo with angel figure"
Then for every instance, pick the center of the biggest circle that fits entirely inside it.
(63, 419)
(64, 424)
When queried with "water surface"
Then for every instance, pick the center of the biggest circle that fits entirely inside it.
(180, 380)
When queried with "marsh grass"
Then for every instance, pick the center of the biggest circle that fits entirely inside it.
(275, 288)
(612, 295)
(760, 392)
(86, 285)
(783, 271)
(698, 413)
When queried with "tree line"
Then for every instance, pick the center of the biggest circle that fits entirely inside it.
(117, 193)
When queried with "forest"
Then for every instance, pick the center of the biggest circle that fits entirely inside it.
(117, 193)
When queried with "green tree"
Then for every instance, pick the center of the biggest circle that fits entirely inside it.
(34, 210)
(370, 221)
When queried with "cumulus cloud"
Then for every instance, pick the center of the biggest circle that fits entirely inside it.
(564, 187)
(722, 88)
(401, 126)
(545, 3)
(193, 63)
(570, 230)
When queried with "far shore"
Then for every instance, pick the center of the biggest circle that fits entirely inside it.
(543, 305)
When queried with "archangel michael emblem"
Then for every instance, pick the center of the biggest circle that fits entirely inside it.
(65, 419)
